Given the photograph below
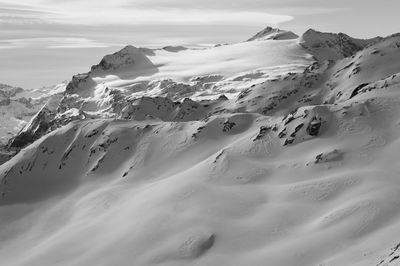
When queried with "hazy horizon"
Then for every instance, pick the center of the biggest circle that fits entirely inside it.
(44, 42)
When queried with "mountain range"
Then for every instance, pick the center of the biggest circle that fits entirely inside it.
(279, 150)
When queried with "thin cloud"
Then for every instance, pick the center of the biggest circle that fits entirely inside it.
(53, 43)
(173, 17)
(120, 13)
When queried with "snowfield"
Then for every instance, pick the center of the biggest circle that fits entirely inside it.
(267, 152)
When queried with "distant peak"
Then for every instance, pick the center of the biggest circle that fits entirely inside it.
(332, 46)
(269, 29)
(128, 55)
(313, 32)
(270, 33)
(128, 49)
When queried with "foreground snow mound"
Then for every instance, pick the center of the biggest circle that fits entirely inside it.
(190, 190)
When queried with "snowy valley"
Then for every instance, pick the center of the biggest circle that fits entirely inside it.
(279, 150)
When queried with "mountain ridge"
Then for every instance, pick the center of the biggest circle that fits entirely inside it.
(323, 46)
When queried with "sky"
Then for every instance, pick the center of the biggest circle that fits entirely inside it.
(44, 42)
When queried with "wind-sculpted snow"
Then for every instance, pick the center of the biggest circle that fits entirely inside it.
(264, 163)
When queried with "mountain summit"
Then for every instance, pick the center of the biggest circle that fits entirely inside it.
(127, 56)
(333, 45)
(270, 33)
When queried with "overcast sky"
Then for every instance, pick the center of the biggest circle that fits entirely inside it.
(43, 42)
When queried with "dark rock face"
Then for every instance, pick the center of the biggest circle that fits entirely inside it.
(127, 56)
(300, 126)
(282, 134)
(114, 60)
(263, 131)
(334, 155)
(288, 141)
(77, 81)
(37, 127)
(314, 127)
(23, 139)
(228, 125)
(223, 98)
(42, 123)
(357, 89)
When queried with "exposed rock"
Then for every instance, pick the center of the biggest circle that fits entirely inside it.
(282, 134)
(357, 89)
(328, 156)
(37, 127)
(263, 131)
(228, 125)
(79, 81)
(314, 127)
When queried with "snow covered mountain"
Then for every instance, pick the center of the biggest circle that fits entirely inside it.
(270, 33)
(275, 151)
(332, 46)
(17, 106)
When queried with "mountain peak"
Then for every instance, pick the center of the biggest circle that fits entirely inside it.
(128, 55)
(270, 33)
(333, 46)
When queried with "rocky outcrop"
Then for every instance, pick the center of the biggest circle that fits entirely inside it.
(305, 123)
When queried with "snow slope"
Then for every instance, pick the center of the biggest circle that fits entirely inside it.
(293, 168)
